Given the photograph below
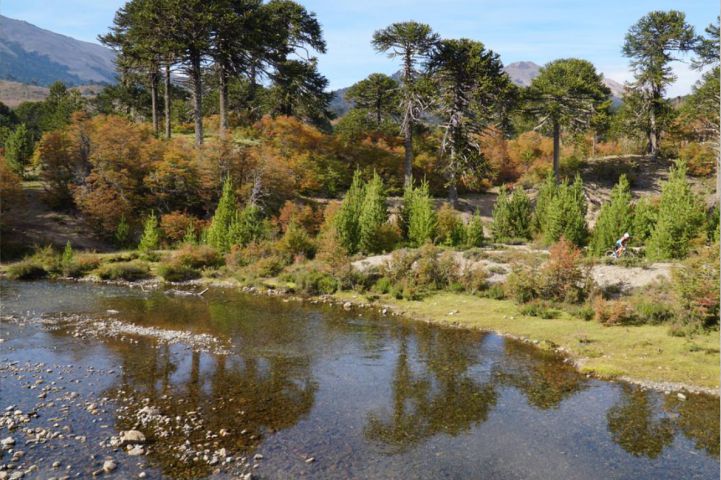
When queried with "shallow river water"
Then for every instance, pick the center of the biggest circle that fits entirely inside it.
(230, 384)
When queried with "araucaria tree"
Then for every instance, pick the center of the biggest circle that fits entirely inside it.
(412, 42)
(377, 97)
(652, 44)
(566, 94)
(471, 86)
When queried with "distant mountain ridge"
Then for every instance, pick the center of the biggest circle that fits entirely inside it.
(30, 54)
(521, 73)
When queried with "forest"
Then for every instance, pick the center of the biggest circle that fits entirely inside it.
(216, 155)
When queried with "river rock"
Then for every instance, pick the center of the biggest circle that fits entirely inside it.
(109, 466)
(136, 450)
(347, 305)
(681, 396)
(131, 436)
(7, 442)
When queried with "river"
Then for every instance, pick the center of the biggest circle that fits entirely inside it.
(230, 385)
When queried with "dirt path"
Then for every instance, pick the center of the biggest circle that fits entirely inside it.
(626, 278)
(34, 223)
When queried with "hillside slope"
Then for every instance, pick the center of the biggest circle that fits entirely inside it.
(30, 54)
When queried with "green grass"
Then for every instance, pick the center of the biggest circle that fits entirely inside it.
(645, 352)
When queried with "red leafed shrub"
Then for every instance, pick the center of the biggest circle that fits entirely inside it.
(563, 277)
(174, 225)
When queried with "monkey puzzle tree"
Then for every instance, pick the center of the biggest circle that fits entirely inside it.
(567, 94)
(413, 42)
(652, 44)
(471, 84)
(376, 95)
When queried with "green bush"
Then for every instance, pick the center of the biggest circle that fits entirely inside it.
(26, 270)
(546, 193)
(450, 230)
(130, 271)
(198, 256)
(512, 215)
(419, 215)
(67, 258)
(539, 309)
(373, 216)
(696, 288)
(383, 285)
(175, 271)
(645, 215)
(495, 292)
(297, 242)
(615, 218)
(122, 232)
(19, 147)
(680, 218)
(347, 220)
(473, 279)
(522, 284)
(474, 232)
(712, 224)
(247, 226)
(81, 265)
(217, 234)
(566, 214)
(314, 282)
(151, 235)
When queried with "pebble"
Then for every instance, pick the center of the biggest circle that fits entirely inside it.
(7, 442)
(310, 460)
(131, 436)
(136, 450)
(109, 466)
(681, 396)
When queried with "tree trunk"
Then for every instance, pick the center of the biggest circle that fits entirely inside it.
(252, 90)
(197, 100)
(453, 183)
(223, 100)
(166, 101)
(556, 148)
(154, 101)
(408, 126)
(653, 127)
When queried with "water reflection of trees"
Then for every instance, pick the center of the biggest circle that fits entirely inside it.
(635, 426)
(440, 398)
(543, 378)
(698, 419)
(249, 391)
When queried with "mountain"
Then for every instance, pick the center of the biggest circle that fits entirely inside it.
(521, 73)
(30, 54)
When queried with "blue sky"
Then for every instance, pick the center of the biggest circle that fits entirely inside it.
(540, 30)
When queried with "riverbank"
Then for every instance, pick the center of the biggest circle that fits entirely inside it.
(645, 355)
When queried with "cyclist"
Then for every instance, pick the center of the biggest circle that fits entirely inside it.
(621, 245)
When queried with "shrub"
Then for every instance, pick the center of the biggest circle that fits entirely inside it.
(645, 216)
(566, 214)
(122, 232)
(347, 218)
(696, 287)
(130, 271)
(522, 284)
(615, 218)
(562, 277)
(81, 265)
(474, 231)
(680, 217)
(419, 215)
(303, 215)
(712, 224)
(473, 279)
(151, 235)
(314, 282)
(700, 158)
(296, 242)
(19, 148)
(26, 270)
(495, 292)
(546, 193)
(449, 230)
(48, 259)
(539, 309)
(175, 271)
(197, 256)
(268, 266)
(613, 312)
(383, 285)
(225, 213)
(247, 226)
(373, 216)
(512, 215)
(400, 265)
(67, 258)
(176, 225)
